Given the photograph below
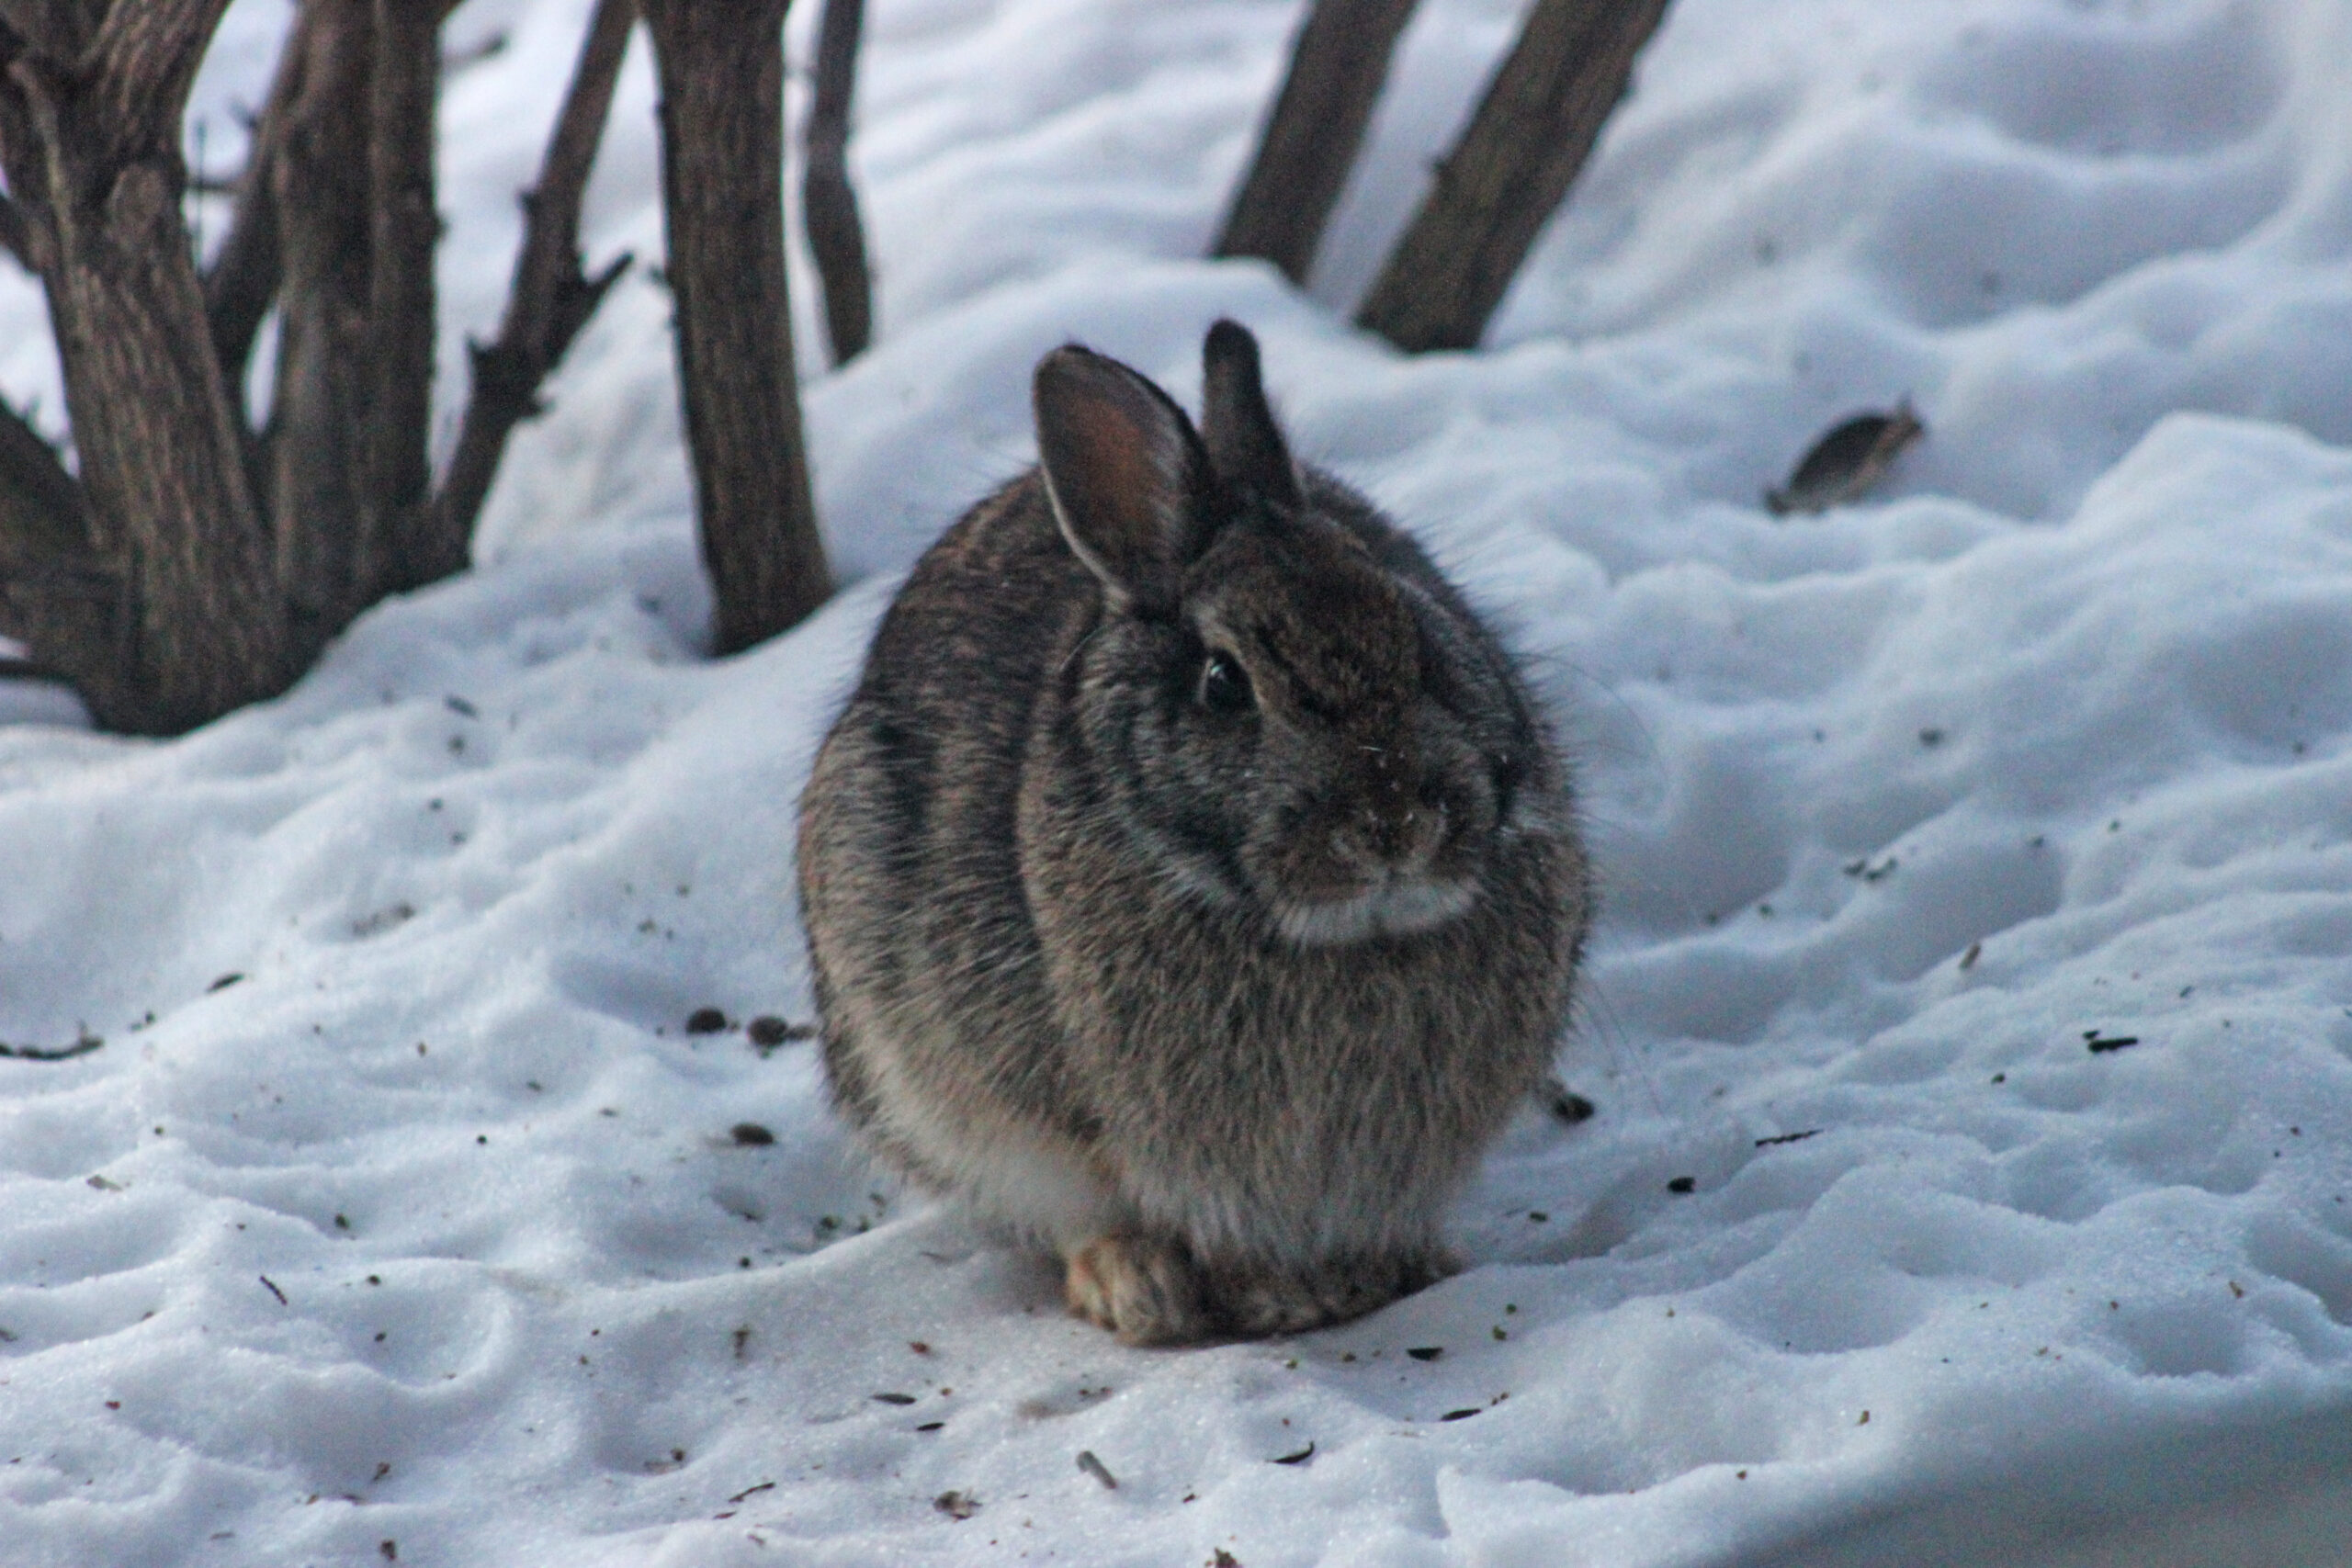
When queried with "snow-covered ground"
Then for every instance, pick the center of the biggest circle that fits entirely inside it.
(434, 1232)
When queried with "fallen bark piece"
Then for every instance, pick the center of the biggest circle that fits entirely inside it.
(1844, 464)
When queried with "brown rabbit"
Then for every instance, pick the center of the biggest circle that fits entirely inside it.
(1190, 883)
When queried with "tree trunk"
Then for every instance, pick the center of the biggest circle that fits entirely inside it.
(152, 582)
(351, 171)
(1512, 167)
(827, 201)
(1310, 143)
(165, 491)
(402, 545)
(721, 64)
(318, 174)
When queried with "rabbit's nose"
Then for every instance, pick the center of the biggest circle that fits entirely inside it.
(1401, 836)
(1398, 815)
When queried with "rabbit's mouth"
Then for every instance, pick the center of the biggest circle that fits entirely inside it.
(1397, 906)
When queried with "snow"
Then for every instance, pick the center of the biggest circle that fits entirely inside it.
(433, 1229)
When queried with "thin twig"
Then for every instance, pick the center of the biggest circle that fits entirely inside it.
(550, 300)
(83, 1044)
(248, 268)
(827, 201)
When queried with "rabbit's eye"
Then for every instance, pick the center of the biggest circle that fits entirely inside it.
(1224, 687)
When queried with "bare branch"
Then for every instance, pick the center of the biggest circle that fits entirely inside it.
(146, 52)
(34, 479)
(15, 235)
(1513, 165)
(827, 201)
(56, 595)
(57, 28)
(24, 225)
(248, 269)
(549, 300)
(42, 536)
(1311, 139)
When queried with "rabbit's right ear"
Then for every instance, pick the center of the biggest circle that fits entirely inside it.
(1245, 445)
(1129, 480)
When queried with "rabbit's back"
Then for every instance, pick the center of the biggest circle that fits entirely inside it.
(925, 953)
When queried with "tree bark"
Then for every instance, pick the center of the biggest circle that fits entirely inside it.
(1336, 67)
(721, 64)
(827, 201)
(153, 582)
(92, 138)
(550, 300)
(402, 543)
(1513, 165)
(245, 273)
(319, 175)
(55, 593)
(15, 233)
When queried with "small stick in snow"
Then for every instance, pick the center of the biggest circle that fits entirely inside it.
(1097, 1469)
(1789, 1138)
(748, 1491)
(1301, 1457)
(2098, 1047)
(768, 1032)
(273, 1290)
(83, 1045)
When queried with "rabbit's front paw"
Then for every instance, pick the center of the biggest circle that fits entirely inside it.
(1259, 1302)
(1145, 1290)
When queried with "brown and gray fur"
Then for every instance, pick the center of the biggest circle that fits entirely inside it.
(1191, 884)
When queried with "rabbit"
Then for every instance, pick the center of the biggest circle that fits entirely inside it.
(1192, 887)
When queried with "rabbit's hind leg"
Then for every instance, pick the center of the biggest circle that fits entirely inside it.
(1147, 1290)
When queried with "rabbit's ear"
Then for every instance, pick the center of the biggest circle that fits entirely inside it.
(1246, 446)
(1130, 485)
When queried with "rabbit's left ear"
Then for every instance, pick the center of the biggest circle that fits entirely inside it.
(1129, 483)
(1246, 446)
